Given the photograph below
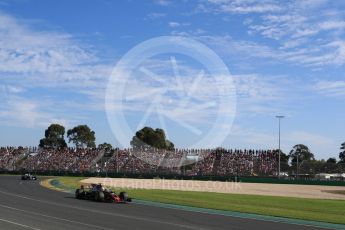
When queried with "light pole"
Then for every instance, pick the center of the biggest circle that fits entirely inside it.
(279, 118)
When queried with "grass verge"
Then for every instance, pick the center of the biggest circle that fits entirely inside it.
(331, 211)
(70, 182)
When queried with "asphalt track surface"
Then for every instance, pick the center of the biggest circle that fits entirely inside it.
(27, 205)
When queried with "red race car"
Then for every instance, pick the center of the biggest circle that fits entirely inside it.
(99, 193)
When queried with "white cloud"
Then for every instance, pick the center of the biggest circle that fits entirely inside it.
(254, 138)
(163, 2)
(332, 25)
(256, 95)
(22, 112)
(338, 48)
(52, 57)
(178, 24)
(254, 91)
(261, 95)
(245, 7)
(26, 51)
(156, 78)
(332, 53)
(303, 31)
(330, 88)
(10, 89)
(155, 15)
(226, 45)
(293, 43)
(317, 143)
(32, 60)
(309, 138)
(174, 24)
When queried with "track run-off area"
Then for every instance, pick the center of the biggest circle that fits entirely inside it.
(27, 205)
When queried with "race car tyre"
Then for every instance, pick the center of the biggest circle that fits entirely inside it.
(77, 195)
(123, 196)
(101, 196)
(98, 196)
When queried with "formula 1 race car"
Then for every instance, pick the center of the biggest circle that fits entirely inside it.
(28, 176)
(99, 193)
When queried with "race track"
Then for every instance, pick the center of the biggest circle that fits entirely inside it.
(27, 205)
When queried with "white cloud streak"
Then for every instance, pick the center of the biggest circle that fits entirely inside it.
(330, 88)
(306, 33)
(245, 6)
(31, 60)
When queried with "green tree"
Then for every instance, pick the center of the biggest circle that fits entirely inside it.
(331, 160)
(342, 153)
(105, 146)
(284, 157)
(149, 137)
(82, 136)
(302, 152)
(301, 159)
(108, 149)
(319, 166)
(54, 137)
(169, 145)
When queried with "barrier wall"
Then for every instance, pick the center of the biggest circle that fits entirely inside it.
(269, 180)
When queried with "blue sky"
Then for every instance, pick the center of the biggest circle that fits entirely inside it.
(285, 57)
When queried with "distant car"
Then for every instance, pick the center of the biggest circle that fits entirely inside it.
(99, 193)
(28, 176)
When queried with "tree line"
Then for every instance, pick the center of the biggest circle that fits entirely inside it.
(300, 153)
(301, 161)
(83, 137)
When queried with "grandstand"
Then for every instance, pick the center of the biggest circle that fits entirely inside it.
(143, 161)
(208, 162)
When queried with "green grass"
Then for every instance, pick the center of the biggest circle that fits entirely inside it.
(332, 211)
(71, 182)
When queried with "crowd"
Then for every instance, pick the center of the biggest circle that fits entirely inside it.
(224, 162)
(67, 159)
(237, 162)
(267, 161)
(9, 156)
(172, 161)
(146, 160)
(219, 162)
(117, 162)
(204, 165)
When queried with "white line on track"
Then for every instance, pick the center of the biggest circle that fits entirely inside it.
(53, 217)
(18, 224)
(107, 213)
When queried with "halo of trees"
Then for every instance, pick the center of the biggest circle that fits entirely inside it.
(53, 137)
(149, 137)
(82, 136)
